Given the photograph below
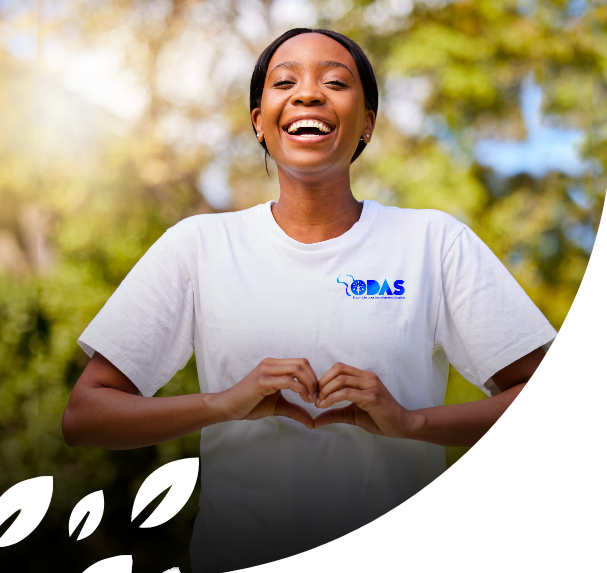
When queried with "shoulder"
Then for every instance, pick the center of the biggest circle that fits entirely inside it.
(429, 226)
(206, 233)
(212, 225)
(431, 218)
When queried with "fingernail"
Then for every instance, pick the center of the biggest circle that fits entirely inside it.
(310, 398)
(322, 404)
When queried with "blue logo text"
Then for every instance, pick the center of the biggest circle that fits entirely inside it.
(371, 288)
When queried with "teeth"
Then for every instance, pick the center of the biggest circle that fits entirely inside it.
(309, 123)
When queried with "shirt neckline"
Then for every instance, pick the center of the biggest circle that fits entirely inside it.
(350, 236)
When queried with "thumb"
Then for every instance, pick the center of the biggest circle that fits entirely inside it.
(352, 415)
(289, 410)
(336, 416)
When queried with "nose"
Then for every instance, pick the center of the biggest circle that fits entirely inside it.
(307, 93)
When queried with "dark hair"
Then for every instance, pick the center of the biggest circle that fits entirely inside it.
(362, 63)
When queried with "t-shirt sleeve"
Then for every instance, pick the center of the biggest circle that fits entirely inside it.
(485, 321)
(146, 328)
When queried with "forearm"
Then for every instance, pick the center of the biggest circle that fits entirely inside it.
(109, 418)
(459, 424)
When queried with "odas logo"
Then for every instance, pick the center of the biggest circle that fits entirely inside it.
(371, 288)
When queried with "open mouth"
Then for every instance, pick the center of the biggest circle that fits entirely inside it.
(308, 128)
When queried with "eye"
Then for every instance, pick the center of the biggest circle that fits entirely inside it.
(283, 83)
(337, 83)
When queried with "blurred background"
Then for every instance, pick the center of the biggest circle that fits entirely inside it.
(119, 118)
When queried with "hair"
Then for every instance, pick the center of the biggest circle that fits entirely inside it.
(363, 65)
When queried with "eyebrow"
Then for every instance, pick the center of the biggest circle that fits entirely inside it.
(323, 64)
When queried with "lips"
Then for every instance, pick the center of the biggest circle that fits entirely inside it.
(308, 129)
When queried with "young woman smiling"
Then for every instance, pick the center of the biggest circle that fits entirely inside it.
(321, 403)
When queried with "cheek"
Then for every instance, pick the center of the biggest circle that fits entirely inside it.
(352, 112)
(270, 112)
(352, 129)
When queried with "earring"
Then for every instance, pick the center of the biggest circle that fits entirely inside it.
(258, 135)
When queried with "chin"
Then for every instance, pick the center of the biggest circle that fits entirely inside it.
(305, 170)
(304, 164)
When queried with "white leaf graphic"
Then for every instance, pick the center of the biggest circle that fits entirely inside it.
(92, 503)
(180, 476)
(173, 570)
(32, 497)
(118, 564)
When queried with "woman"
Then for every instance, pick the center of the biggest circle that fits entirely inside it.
(323, 328)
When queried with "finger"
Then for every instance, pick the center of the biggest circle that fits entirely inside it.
(342, 381)
(362, 398)
(289, 410)
(305, 374)
(340, 368)
(299, 368)
(273, 383)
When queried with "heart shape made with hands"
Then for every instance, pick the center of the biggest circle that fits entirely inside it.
(372, 407)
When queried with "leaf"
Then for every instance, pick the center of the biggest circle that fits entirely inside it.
(180, 476)
(92, 504)
(118, 564)
(32, 497)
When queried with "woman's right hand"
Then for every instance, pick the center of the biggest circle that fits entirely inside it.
(259, 395)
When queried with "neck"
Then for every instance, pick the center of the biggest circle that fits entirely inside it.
(314, 211)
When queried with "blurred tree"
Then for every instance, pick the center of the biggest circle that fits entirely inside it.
(129, 115)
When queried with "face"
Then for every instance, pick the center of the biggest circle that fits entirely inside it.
(312, 113)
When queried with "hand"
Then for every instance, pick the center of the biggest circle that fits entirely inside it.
(373, 408)
(258, 394)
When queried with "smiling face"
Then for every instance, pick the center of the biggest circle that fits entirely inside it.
(312, 113)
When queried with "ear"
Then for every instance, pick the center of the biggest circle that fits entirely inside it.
(256, 119)
(369, 125)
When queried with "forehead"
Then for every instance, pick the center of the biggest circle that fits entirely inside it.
(310, 49)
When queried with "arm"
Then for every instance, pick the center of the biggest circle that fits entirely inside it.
(465, 424)
(374, 409)
(106, 410)
(460, 424)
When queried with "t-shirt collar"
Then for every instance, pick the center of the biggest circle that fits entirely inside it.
(348, 238)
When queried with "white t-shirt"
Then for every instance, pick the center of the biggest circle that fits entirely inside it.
(402, 293)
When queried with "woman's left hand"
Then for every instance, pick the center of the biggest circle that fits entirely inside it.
(373, 408)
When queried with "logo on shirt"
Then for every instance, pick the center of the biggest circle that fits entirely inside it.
(357, 288)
